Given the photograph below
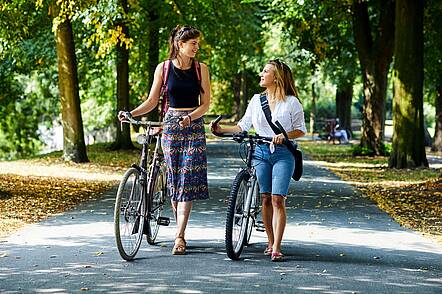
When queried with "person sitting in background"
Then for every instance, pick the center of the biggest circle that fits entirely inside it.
(335, 132)
(340, 134)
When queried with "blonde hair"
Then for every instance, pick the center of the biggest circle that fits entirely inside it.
(285, 85)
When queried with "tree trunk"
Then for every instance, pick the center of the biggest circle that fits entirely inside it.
(236, 86)
(74, 148)
(244, 93)
(408, 110)
(344, 97)
(437, 142)
(123, 139)
(154, 52)
(313, 110)
(375, 57)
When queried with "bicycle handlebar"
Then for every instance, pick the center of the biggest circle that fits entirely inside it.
(245, 135)
(239, 136)
(130, 120)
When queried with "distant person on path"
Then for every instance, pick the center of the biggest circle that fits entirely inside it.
(273, 162)
(183, 140)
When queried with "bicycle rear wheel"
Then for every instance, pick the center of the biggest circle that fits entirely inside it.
(128, 219)
(236, 219)
(156, 206)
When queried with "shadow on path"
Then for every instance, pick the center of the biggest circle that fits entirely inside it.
(336, 241)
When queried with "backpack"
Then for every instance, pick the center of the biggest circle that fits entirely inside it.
(164, 96)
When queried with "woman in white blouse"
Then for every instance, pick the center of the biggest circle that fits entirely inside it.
(273, 162)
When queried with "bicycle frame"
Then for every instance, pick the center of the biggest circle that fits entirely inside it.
(252, 184)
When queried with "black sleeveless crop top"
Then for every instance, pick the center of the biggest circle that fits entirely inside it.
(183, 87)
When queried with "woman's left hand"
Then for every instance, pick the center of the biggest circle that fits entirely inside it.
(278, 139)
(185, 122)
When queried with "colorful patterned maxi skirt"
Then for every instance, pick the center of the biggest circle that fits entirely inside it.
(184, 150)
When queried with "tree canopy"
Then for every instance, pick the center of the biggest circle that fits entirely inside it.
(342, 51)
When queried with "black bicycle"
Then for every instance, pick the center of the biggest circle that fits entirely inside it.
(244, 201)
(141, 194)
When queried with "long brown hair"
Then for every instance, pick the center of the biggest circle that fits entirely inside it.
(181, 33)
(285, 85)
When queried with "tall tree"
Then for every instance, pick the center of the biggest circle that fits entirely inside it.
(123, 139)
(374, 39)
(408, 113)
(74, 148)
(322, 28)
(433, 64)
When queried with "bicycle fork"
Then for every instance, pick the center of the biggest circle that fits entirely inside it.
(252, 203)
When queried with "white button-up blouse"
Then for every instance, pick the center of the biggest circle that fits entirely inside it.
(289, 113)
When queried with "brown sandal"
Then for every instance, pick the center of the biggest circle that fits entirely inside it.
(180, 246)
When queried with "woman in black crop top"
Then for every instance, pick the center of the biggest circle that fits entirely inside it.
(183, 142)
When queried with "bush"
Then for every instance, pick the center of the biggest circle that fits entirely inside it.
(358, 150)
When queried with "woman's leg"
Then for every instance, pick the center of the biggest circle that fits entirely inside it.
(267, 216)
(279, 220)
(182, 214)
(182, 217)
(283, 167)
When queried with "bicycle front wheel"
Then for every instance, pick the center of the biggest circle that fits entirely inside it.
(128, 216)
(156, 207)
(236, 219)
(254, 208)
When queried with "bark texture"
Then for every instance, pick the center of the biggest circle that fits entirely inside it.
(408, 111)
(74, 148)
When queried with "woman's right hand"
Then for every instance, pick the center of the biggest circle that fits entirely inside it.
(215, 127)
(122, 115)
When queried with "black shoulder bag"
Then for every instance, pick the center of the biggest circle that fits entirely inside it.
(293, 148)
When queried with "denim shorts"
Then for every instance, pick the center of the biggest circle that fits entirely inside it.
(273, 170)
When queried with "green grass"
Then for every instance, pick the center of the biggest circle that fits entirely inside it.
(339, 158)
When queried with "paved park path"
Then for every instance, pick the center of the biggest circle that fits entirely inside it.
(336, 241)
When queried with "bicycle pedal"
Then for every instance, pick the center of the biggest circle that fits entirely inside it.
(163, 221)
(260, 226)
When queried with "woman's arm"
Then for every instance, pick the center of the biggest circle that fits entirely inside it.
(204, 97)
(217, 128)
(154, 96)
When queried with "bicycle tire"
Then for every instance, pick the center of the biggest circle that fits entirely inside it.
(156, 203)
(236, 223)
(251, 222)
(128, 220)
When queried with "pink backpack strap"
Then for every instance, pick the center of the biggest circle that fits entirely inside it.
(164, 88)
(166, 68)
(198, 73)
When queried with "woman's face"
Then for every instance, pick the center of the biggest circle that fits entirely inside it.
(267, 76)
(190, 47)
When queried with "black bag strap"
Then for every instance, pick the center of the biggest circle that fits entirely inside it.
(266, 109)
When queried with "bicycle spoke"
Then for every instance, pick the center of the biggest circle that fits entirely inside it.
(128, 217)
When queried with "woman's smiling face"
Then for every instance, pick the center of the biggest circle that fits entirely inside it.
(190, 47)
(267, 76)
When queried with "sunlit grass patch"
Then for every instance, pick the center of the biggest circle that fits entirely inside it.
(413, 197)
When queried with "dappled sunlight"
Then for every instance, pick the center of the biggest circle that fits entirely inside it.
(336, 241)
(351, 164)
(82, 172)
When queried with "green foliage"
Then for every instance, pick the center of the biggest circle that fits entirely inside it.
(432, 48)
(27, 79)
(359, 150)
